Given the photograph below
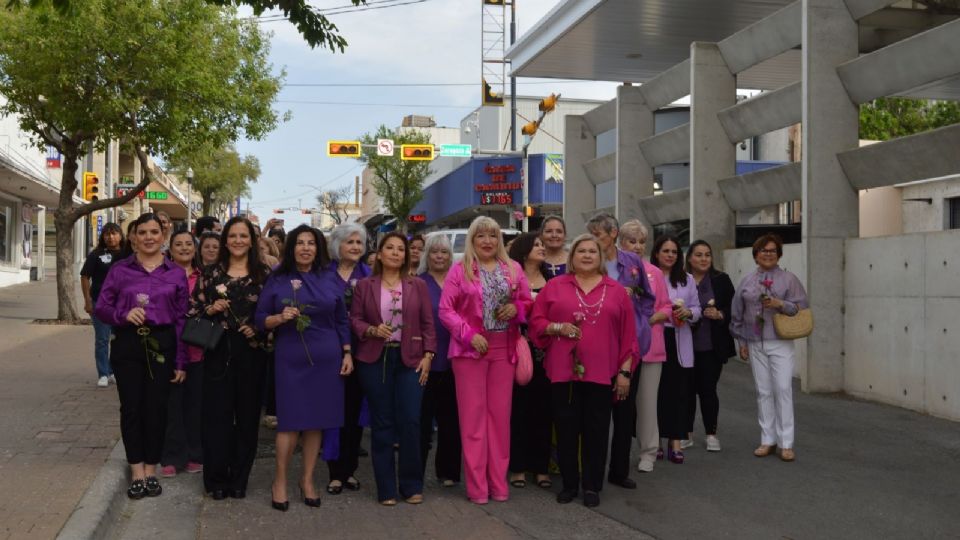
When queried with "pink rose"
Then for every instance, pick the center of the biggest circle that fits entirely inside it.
(143, 299)
(296, 284)
(221, 289)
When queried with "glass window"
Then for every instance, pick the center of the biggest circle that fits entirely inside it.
(6, 231)
(953, 208)
(459, 242)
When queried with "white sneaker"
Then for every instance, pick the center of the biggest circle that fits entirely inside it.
(686, 443)
(713, 443)
(113, 379)
(645, 466)
(103, 382)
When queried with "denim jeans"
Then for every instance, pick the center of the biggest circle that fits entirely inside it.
(101, 346)
(394, 393)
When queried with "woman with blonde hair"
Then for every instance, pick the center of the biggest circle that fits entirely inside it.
(485, 299)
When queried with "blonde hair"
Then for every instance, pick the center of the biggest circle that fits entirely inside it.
(586, 237)
(634, 229)
(484, 224)
(271, 247)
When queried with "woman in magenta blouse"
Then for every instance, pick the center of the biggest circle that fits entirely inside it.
(144, 299)
(585, 321)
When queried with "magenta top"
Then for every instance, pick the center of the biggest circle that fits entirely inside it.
(609, 334)
(658, 351)
(163, 293)
(391, 309)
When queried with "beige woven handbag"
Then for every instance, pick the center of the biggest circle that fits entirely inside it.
(793, 327)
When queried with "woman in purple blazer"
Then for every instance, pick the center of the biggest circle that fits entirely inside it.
(392, 317)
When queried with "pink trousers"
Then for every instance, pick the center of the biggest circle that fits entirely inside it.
(484, 396)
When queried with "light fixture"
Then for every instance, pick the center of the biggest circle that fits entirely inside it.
(633, 56)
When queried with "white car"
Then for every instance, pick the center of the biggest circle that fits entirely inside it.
(458, 239)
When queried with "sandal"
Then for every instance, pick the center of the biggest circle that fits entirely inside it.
(518, 483)
(334, 487)
(415, 499)
(545, 483)
(389, 502)
(352, 484)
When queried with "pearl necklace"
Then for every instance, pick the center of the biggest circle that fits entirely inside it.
(591, 311)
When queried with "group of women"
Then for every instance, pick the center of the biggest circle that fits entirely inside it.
(423, 349)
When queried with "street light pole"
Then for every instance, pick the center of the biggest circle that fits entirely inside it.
(189, 203)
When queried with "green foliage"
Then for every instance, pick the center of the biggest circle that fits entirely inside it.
(218, 173)
(398, 183)
(889, 118)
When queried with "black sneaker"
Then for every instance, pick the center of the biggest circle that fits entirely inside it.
(137, 490)
(566, 496)
(152, 486)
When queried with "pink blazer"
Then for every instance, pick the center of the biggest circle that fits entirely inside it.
(461, 308)
(418, 334)
(662, 304)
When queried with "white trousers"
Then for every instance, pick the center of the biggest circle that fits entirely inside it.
(772, 365)
(648, 432)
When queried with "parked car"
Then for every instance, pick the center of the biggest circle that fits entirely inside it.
(458, 239)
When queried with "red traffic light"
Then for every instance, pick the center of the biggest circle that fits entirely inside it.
(416, 152)
(343, 149)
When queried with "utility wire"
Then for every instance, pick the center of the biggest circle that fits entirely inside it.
(353, 104)
(341, 10)
(362, 85)
(312, 190)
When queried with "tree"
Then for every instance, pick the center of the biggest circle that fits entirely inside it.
(157, 75)
(334, 203)
(312, 25)
(889, 118)
(399, 183)
(218, 173)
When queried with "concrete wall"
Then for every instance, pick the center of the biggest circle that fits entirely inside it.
(902, 330)
(921, 216)
(880, 213)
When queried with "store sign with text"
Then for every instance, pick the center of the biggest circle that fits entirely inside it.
(501, 181)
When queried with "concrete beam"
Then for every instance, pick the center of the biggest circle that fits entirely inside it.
(859, 9)
(915, 61)
(890, 25)
(634, 175)
(763, 39)
(670, 146)
(579, 147)
(763, 113)
(602, 118)
(931, 154)
(763, 188)
(671, 206)
(667, 87)
(602, 169)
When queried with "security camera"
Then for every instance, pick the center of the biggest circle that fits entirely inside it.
(743, 145)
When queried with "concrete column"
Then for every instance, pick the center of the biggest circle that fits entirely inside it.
(712, 156)
(634, 176)
(830, 205)
(579, 194)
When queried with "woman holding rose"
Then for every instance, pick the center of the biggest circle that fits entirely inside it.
(585, 306)
(302, 304)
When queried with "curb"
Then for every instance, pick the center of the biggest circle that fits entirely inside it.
(99, 507)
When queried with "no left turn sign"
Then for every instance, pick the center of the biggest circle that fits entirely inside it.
(384, 147)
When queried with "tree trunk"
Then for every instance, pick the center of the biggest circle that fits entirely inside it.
(64, 221)
(207, 203)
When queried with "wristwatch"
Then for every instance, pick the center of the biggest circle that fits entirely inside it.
(625, 372)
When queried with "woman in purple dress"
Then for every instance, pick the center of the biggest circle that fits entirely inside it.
(303, 306)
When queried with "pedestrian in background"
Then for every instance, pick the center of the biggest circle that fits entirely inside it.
(182, 448)
(762, 293)
(303, 305)
(347, 244)
(209, 248)
(167, 230)
(207, 224)
(585, 321)
(553, 232)
(417, 244)
(712, 343)
(676, 377)
(633, 237)
(626, 269)
(392, 319)
(94, 272)
(233, 372)
(440, 393)
(269, 254)
(144, 299)
(130, 244)
(531, 423)
(485, 300)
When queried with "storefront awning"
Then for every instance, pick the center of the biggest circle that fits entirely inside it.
(27, 185)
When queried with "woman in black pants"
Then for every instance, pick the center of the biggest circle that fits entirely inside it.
(144, 299)
(233, 373)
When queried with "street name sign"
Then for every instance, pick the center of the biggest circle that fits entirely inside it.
(456, 150)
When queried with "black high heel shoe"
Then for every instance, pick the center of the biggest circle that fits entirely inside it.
(312, 503)
(281, 506)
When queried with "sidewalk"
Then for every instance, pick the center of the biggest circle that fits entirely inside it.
(57, 428)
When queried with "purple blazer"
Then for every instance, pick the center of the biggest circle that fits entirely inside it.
(418, 336)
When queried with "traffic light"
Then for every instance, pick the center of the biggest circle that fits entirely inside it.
(493, 2)
(548, 103)
(529, 129)
(91, 187)
(416, 152)
(350, 149)
(278, 210)
(490, 97)
(528, 211)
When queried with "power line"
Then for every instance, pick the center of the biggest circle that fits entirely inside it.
(353, 104)
(340, 10)
(312, 190)
(361, 85)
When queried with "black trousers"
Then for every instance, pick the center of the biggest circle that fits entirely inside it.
(270, 387)
(184, 406)
(581, 414)
(440, 404)
(707, 367)
(350, 434)
(624, 416)
(673, 395)
(143, 386)
(232, 392)
(531, 424)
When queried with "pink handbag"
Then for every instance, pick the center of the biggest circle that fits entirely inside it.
(524, 367)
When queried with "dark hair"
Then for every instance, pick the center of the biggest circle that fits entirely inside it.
(288, 264)
(378, 266)
(762, 242)
(278, 231)
(109, 228)
(548, 219)
(521, 247)
(690, 249)
(677, 275)
(205, 224)
(416, 237)
(196, 262)
(144, 218)
(127, 244)
(255, 269)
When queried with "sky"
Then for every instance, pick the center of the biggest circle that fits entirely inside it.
(430, 41)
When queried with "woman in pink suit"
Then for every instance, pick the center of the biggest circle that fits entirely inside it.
(485, 299)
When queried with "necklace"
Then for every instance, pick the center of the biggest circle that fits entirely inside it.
(591, 312)
(150, 267)
(390, 285)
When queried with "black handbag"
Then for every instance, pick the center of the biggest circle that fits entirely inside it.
(201, 332)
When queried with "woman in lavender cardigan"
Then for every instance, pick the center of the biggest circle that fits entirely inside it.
(676, 379)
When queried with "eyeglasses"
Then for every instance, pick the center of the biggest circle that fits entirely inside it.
(768, 251)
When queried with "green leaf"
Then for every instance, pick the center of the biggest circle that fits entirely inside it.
(160, 359)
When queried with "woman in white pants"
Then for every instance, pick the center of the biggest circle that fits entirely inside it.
(762, 293)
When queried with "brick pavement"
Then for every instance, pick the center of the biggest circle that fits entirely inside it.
(56, 427)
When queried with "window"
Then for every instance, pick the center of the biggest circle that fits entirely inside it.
(6, 231)
(953, 211)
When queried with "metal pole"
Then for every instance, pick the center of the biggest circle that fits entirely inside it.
(513, 81)
(108, 180)
(525, 173)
